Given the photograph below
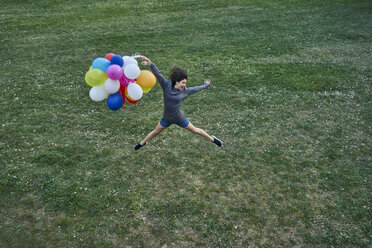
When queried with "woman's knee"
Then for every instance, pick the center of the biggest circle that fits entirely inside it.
(158, 130)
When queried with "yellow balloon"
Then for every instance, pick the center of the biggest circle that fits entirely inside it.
(146, 79)
(95, 77)
(145, 90)
(130, 98)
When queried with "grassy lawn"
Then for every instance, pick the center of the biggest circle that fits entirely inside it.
(291, 100)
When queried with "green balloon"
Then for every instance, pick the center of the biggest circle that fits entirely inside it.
(145, 90)
(95, 77)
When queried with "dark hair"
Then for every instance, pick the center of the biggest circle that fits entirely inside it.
(177, 75)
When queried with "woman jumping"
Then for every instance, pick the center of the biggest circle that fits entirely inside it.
(174, 93)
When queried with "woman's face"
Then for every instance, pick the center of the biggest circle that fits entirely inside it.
(180, 85)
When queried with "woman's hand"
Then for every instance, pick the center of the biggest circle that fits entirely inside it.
(207, 81)
(146, 60)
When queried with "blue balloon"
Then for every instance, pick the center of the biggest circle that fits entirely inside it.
(117, 60)
(101, 64)
(114, 101)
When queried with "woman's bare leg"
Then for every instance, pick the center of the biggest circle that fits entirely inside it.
(199, 131)
(158, 129)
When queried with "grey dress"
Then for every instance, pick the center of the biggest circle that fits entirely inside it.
(173, 97)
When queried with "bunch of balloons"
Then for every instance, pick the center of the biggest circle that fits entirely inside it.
(117, 78)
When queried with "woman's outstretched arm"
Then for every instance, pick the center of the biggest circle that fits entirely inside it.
(195, 89)
(154, 70)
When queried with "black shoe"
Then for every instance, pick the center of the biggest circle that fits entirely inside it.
(217, 141)
(138, 146)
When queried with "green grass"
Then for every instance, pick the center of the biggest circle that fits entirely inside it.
(291, 99)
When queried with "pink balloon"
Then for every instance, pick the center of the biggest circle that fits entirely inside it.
(124, 81)
(130, 80)
(114, 72)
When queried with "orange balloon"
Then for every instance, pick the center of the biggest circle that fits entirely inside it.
(146, 79)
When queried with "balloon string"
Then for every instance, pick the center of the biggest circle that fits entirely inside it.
(135, 56)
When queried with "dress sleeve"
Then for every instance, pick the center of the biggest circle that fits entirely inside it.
(195, 89)
(158, 75)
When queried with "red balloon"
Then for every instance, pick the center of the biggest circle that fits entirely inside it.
(122, 91)
(109, 56)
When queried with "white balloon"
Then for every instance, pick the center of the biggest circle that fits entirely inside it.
(98, 93)
(134, 91)
(132, 71)
(129, 60)
(112, 86)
